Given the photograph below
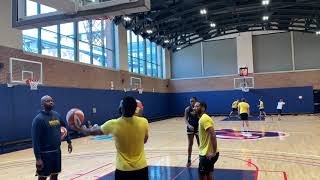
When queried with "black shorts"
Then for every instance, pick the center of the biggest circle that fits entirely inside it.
(194, 131)
(141, 174)
(244, 116)
(206, 166)
(279, 111)
(51, 163)
(261, 110)
(234, 109)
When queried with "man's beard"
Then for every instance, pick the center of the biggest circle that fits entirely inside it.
(48, 108)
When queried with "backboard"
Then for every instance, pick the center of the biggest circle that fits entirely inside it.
(21, 70)
(63, 11)
(244, 83)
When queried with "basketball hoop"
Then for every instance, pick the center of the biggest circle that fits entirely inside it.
(33, 84)
(140, 90)
(245, 89)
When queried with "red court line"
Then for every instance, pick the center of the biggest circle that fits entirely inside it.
(288, 160)
(83, 174)
(285, 176)
(257, 168)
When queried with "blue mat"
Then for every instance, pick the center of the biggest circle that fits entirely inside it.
(236, 118)
(182, 173)
(101, 138)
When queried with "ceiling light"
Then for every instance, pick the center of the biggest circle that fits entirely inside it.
(149, 31)
(178, 48)
(166, 41)
(213, 25)
(318, 32)
(265, 2)
(203, 11)
(127, 18)
(265, 18)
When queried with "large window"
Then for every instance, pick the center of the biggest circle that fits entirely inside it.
(31, 40)
(144, 57)
(89, 41)
(49, 41)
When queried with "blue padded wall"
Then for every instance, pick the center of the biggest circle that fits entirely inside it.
(19, 105)
(219, 102)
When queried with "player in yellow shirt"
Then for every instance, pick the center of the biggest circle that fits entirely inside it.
(244, 112)
(208, 150)
(234, 107)
(130, 134)
(261, 109)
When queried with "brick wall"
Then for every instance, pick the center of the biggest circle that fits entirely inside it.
(268, 80)
(60, 73)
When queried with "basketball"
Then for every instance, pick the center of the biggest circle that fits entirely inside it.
(64, 132)
(75, 117)
(139, 109)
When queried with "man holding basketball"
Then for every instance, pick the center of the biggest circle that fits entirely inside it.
(130, 133)
(46, 140)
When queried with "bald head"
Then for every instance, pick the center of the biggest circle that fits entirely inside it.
(47, 102)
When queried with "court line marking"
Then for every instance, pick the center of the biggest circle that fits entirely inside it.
(83, 174)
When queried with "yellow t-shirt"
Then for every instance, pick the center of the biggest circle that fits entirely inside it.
(235, 104)
(205, 146)
(244, 107)
(261, 106)
(129, 135)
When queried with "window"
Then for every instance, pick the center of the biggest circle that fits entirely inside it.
(149, 57)
(31, 8)
(67, 41)
(84, 42)
(95, 43)
(46, 9)
(144, 57)
(49, 41)
(30, 40)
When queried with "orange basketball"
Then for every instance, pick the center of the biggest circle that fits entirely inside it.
(75, 117)
(139, 109)
(64, 132)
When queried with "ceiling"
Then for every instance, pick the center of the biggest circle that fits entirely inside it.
(176, 24)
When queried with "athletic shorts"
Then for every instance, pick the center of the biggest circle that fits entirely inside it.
(141, 174)
(244, 116)
(279, 111)
(261, 110)
(206, 166)
(234, 109)
(194, 131)
(51, 163)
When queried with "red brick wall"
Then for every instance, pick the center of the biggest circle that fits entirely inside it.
(60, 73)
(70, 74)
(268, 80)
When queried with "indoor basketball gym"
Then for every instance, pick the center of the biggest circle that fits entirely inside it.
(89, 54)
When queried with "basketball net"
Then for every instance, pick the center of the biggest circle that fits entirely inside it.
(33, 84)
(140, 90)
(244, 86)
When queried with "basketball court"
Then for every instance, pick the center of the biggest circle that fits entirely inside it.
(90, 54)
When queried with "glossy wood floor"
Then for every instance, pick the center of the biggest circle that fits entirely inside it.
(294, 157)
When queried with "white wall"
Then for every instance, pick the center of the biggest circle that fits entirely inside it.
(244, 51)
(121, 48)
(9, 37)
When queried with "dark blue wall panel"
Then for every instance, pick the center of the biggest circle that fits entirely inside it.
(219, 102)
(19, 105)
